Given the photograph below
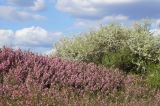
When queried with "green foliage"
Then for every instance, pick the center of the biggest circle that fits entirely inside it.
(129, 48)
(153, 77)
(120, 59)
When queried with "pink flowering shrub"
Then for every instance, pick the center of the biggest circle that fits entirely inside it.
(20, 72)
(32, 80)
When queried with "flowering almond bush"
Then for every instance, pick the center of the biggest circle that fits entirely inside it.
(20, 72)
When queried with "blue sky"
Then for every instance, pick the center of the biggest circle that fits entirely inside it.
(38, 24)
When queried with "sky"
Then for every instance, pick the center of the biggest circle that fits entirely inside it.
(37, 25)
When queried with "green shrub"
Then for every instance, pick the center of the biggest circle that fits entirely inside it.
(120, 59)
(153, 77)
(129, 48)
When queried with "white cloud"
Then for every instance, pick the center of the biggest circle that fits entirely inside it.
(156, 32)
(87, 8)
(92, 13)
(89, 24)
(50, 52)
(33, 38)
(35, 5)
(155, 27)
(98, 9)
(77, 7)
(36, 36)
(38, 5)
(6, 37)
(11, 14)
(28, 16)
(22, 10)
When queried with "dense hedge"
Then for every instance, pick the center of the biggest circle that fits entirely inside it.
(24, 70)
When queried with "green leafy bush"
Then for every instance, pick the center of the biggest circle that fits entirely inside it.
(120, 59)
(153, 77)
(129, 48)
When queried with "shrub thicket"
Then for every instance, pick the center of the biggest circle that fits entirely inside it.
(129, 48)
